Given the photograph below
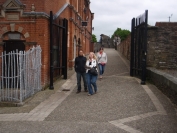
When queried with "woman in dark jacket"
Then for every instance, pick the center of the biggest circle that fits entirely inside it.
(80, 71)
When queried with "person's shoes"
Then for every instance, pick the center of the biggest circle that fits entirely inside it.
(101, 77)
(86, 90)
(90, 94)
(78, 92)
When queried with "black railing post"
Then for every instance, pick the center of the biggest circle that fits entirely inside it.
(64, 48)
(132, 46)
(135, 47)
(51, 51)
(143, 77)
(144, 50)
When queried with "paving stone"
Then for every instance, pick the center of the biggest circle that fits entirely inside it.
(121, 105)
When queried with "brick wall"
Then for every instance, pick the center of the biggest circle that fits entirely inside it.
(37, 28)
(124, 47)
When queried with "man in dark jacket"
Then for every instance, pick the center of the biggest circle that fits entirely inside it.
(80, 71)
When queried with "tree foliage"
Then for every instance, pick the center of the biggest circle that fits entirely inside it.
(121, 33)
(94, 39)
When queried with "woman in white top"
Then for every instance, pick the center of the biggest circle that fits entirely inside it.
(91, 79)
(102, 60)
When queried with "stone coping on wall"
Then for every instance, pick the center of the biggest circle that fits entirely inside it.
(165, 81)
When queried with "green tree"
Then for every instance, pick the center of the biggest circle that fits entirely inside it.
(94, 39)
(121, 33)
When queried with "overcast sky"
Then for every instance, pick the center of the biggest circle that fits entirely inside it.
(112, 14)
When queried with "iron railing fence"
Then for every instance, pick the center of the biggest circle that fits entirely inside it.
(20, 74)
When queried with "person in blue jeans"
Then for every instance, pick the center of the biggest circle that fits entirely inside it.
(102, 60)
(80, 70)
(91, 79)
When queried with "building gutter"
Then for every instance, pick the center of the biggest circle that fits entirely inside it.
(60, 11)
(37, 14)
(43, 14)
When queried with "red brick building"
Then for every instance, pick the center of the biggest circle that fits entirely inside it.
(24, 23)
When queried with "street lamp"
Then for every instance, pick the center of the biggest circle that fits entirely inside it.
(101, 40)
(116, 41)
(170, 17)
(108, 43)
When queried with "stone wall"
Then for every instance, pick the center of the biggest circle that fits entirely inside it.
(124, 47)
(165, 81)
(161, 46)
(161, 57)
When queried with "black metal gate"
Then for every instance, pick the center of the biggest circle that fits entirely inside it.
(58, 47)
(139, 46)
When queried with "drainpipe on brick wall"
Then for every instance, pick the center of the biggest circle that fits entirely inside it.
(61, 10)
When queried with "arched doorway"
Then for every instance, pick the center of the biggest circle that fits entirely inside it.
(13, 45)
(13, 41)
(10, 60)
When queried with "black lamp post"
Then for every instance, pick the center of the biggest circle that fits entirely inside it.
(101, 41)
(115, 42)
(102, 45)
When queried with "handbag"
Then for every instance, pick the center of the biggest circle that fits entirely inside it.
(93, 71)
(102, 64)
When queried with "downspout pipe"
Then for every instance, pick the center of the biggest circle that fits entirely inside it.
(61, 10)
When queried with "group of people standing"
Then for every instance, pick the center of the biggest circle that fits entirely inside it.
(82, 68)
